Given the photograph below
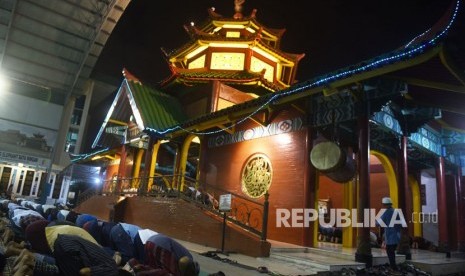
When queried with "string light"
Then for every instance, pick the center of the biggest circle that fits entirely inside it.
(78, 157)
(415, 38)
(389, 58)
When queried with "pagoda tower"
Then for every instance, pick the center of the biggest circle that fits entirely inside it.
(238, 52)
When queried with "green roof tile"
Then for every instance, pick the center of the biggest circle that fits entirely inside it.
(158, 110)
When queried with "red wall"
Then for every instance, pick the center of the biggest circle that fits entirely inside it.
(379, 188)
(328, 189)
(225, 163)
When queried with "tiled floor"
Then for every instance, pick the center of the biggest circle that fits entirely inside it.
(335, 256)
(289, 259)
(280, 267)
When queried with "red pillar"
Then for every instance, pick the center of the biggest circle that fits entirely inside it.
(121, 168)
(460, 211)
(310, 179)
(443, 241)
(363, 253)
(402, 181)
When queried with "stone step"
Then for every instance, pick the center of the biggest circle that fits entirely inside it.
(345, 257)
(458, 254)
(321, 262)
(440, 266)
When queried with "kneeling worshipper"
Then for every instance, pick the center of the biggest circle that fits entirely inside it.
(100, 231)
(63, 250)
(20, 218)
(83, 218)
(164, 256)
(122, 236)
(71, 255)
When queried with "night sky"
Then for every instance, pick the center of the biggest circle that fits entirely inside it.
(332, 33)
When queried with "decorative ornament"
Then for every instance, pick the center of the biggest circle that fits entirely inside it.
(256, 175)
(238, 8)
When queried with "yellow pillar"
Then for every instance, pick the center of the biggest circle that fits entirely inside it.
(391, 177)
(317, 196)
(153, 164)
(138, 161)
(417, 231)
(183, 159)
(349, 204)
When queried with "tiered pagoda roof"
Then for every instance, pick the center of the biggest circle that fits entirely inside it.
(238, 51)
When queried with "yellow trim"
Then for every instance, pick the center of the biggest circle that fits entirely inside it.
(117, 122)
(415, 187)
(97, 157)
(226, 44)
(153, 163)
(197, 173)
(174, 180)
(317, 196)
(138, 161)
(432, 84)
(167, 183)
(451, 67)
(348, 203)
(272, 55)
(391, 176)
(183, 160)
(245, 24)
(231, 26)
(196, 51)
(250, 30)
(383, 70)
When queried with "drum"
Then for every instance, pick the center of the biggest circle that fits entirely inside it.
(330, 159)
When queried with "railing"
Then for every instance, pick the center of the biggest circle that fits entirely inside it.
(246, 213)
(86, 195)
(249, 214)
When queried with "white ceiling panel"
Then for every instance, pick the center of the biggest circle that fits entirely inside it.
(55, 43)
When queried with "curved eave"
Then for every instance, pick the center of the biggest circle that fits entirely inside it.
(291, 59)
(216, 20)
(382, 65)
(345, 76)
(189, 81)
(170, 79)
(202, 75)
(285, 58)
(246, 21)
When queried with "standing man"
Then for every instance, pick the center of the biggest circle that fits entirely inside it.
(392, 227)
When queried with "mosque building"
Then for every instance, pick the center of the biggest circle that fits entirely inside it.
(232, 125)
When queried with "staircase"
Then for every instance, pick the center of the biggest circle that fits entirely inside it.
(247, 216)
(177, 218)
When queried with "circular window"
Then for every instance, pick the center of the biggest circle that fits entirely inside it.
(256, 175)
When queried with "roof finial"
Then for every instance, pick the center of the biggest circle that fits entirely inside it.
(238, 8)
(130, 77)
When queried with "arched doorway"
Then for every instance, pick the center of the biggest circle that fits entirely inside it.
(189, 159)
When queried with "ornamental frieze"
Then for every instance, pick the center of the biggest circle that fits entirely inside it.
(285, 126)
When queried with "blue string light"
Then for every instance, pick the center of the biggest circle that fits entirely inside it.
(87, 155)
(325, 80)
(415, 38)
